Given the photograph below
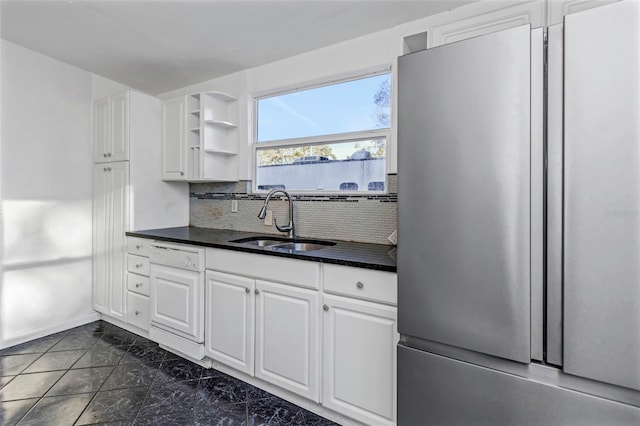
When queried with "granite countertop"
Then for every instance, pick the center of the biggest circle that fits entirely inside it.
(361, 255)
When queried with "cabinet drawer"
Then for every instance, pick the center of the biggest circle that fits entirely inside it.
(138, 283)
(139, 246)
(138, 264)
(289, 271)
(378, 286)
(138, 310)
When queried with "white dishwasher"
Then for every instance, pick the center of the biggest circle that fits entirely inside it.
(177, 297)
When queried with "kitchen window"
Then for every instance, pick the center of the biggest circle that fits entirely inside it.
(329, 138)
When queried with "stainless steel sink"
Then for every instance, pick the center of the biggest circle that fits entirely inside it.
(291, 247)
(285, 244)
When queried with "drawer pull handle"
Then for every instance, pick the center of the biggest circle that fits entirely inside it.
(246, 290)
(138, 265)
(138, 285)
(256, 291)
(137, 312)
(325, 307)
(359, 284)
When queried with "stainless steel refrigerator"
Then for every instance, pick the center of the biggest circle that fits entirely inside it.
(519, 226)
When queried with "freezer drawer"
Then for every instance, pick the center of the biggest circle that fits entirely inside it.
(434, 390)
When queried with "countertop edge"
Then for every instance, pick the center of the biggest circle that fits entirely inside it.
(245, 249)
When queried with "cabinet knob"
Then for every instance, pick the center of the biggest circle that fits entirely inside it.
(104, 155)
(108, 169)
(138, 246)
(246, 290)
(137, 312)
(138, 265)
(181, 173)
(325, 307)
(104, 169)
(359, 284)
(108, 154)
(138, 285)
(256, 291)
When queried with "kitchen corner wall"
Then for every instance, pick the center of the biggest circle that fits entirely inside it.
(364, 218)
(46, 195)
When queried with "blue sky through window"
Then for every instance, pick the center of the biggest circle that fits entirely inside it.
(339, 108)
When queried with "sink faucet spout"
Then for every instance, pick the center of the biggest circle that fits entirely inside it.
(289, 228)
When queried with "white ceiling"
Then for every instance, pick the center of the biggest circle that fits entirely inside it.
(158, 46)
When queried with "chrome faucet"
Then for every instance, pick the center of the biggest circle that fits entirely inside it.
(290, 228)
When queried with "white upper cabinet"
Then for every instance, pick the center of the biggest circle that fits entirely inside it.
(111, 128)
(174, 139)
(200, 134)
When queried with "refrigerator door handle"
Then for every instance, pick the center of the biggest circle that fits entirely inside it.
(537, 194)
(555, 153)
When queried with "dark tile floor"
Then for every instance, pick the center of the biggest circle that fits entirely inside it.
(101, 374)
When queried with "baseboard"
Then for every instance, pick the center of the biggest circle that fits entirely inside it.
(51, 329)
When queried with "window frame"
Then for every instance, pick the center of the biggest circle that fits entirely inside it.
(321, 139)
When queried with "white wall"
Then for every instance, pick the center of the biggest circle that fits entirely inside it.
(45, 194)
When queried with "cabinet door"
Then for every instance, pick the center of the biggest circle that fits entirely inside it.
(174, 144)
(101, 232)
(287, 337)
(602, 194)
(359, 359)
(119, 124)
(119, 187)
(177, 301)
(101, 131)
(230, 318)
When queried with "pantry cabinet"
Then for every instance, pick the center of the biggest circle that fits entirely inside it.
(111, 128)
(129, 194)
(110, 220)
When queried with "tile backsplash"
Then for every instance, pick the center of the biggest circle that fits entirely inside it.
(365, 218)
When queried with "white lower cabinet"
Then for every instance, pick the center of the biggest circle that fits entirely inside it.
(287, 337)
(334, 345)
(359, 359)
(230, 320)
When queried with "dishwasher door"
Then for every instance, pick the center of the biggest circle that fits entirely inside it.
(177, 301)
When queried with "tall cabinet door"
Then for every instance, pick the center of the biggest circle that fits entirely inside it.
(119, 112)
(230, 319)
(118, 173)
(174, 142)
(101, 237)
(464, 212)
(287, 337)
(602, 194)
(101, 131)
